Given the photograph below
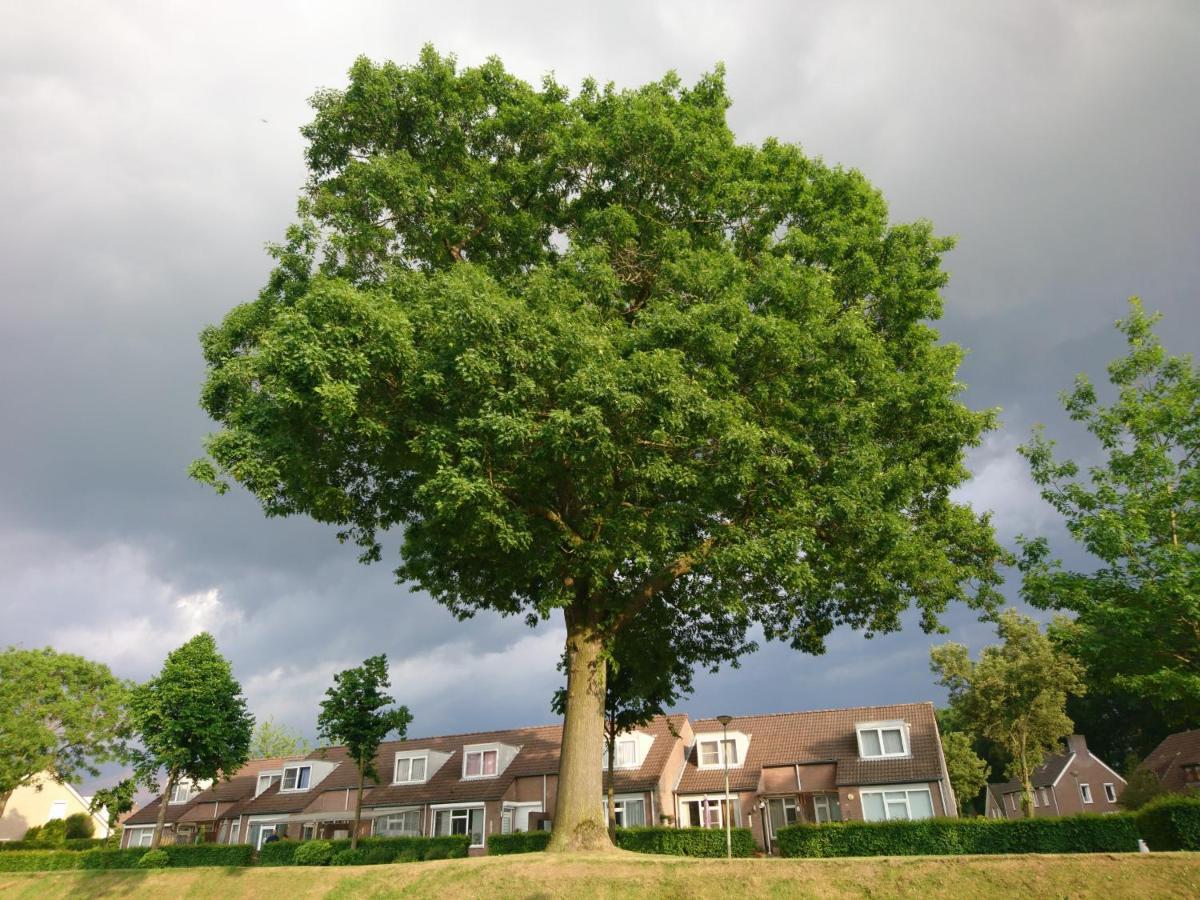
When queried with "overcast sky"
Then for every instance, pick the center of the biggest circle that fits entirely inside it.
(150, 150)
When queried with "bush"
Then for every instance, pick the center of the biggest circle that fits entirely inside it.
(154, 859)
(79, 825)
(39, 860)
(313, 853)
(32, 832)
(71, 844)
(53, 832)
(382, 850)
(278, 853)
(1116, 833)
(184, 855)
(345, 857)
(111, 859)
(1171, 823)
(518, 842)
(685, 841)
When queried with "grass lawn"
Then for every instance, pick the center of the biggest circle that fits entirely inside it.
(623, 875)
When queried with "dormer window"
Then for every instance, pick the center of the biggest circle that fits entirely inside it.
(626, 756)
(718, 753)
(296, 778)
(410, 769)
(265, 780)
(882, 740)
(480, 763)
(181, 792)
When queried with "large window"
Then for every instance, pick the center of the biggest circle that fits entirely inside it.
(296, 778)
(410, 768)
(480, 763)
(711, 756)
(258, 832)
(827, 808)
(265, 780)
(781, 812)
(140, 837)
(181, 792)
(879, 740)
(406, 824)
(630, 811)
(626, 753)
(899, 803)
(460, 821)
(705, 812)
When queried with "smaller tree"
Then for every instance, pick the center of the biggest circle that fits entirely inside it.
(355, 713)
(192, 721)
(273, 740)
(1141, 786)
(968, 771)
(1015, 696)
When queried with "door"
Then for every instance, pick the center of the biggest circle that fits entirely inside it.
(781, 811)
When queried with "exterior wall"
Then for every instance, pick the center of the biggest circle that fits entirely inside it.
(29, 806)
(850, 799)
(1085, 769)
(664, 792)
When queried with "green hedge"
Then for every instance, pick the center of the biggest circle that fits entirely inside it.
(1171, 823)
(39, 860)
(179, 856)
(69, 844)
(111, 859)
(372, 850)
(1116, 833)
(685, 841)
(517, 842)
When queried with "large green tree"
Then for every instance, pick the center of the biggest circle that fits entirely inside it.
(968, 771)
(1136, 614)
(1016, 694)
(357, 713)
(581, 351)
(60, 716)
(191, 721)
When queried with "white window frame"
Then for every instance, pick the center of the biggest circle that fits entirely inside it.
(272, 778)
(1110, 792)
(1085, 792)
(456, 808)
(263, 824)
(410, 759)
(1034, 795)
(234, 829)
(295, 789)
(385, 817)
(723, 745)
(482, 754)
(824, 804)
(708, 803)
(879, 728)
(623, 743)
(186, 787)
(620, 803)
(137, 833)
(905, 789)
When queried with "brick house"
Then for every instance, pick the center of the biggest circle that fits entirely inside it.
(1065, 784)
(871, 762)
(1176, 762)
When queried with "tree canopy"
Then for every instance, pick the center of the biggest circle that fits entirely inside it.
(271, 740)
(968, 771)
(583, 351)
(1136, 615)
(60, 715)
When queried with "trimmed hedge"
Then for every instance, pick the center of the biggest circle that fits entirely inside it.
(709, 842)
(154, 859)
(69, 844)
(1117, 833)
(517, 842)
(371, 850)
(39, 860)
(178, 856)
(111, 859)
(313, 853)
(1171, 823)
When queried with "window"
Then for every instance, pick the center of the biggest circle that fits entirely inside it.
(410, 768)
(401, 824)
(1012, 802)
(258, 832)
(58, 810)
(181, 793)
(1110, 793)
(630, 811)
(233, 832)
(140, 837)
(710, 753)
(826, 808)
(879, 740)
(307, 831)
(479, 764)
(461, 821)
(705, 812)
(1034, 795)
(626, 753)
(781, 811)
(1085, 791)
(296, 778)
(1045, 792)
(904, 803)
(265, 781)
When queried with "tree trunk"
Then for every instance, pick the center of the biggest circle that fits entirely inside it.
(162, 811)
(4, 801)
(612, 765)
(577, 821)
(357, 809)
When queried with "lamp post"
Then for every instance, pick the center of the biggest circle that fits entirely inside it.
(725, 720)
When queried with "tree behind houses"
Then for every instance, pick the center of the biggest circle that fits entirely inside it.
(1015, 695)
(356, 713)
(968, 771)
(272, 740)
(191, 720)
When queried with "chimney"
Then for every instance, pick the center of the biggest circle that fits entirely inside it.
(1077, 744)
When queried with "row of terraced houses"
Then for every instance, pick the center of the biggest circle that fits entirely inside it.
(867, 763)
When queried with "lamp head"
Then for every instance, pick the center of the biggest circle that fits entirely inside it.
(724, 720)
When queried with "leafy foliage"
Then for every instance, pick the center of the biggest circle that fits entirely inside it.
(382, 850)
(1015, 695)
(79, 825)
(116, 800)
(154, 859)
(1171, 822)
(708, 842)
(517, 842)
(1136, 622)
(1141, 787)
(272, 740)
(967, 770)
(59, 714)
(39, 860)
(313, 853)
(53, 832)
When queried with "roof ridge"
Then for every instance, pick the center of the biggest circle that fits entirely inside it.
(831, 709)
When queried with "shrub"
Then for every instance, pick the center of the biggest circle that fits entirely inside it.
(278, 853)
(184, 855)
(154, 859)
(345, 857)
(518, 842)
(381, 850)
(944, 837)
(1171, 823)
(71, 844)
(313, 853)
(53, 832)
(685, 841)
(32, 832)
(111, 859)
(39, 860)
(79, 825)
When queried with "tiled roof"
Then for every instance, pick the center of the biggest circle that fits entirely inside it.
(820, 736)
(238, 788)
(1043, 776)
(1168, 758)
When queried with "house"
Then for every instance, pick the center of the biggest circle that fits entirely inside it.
(1077, 781)
(42, 801)
(870, 762)
(1176, 762)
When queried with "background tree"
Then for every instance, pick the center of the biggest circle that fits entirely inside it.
(115, 801)
(272, 740)
(1136, 622)
(1141, 786)
(1015, 695)
(354, 713)
(584, 351)
(191, 720)
(59, 714)
(968, 771)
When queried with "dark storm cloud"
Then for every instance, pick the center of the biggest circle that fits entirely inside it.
(140, 184)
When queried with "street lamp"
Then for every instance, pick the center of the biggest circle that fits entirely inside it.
(725, 720)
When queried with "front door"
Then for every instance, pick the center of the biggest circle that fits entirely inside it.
(781, 811)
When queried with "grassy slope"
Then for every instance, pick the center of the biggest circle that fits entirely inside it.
(630, 875)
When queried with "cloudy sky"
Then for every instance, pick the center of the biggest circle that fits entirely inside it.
(150, 150)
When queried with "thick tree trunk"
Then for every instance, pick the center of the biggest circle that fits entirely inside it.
(578, 824)
(162, 811)
(357, 810)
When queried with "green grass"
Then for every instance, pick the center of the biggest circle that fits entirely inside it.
(620, 874)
